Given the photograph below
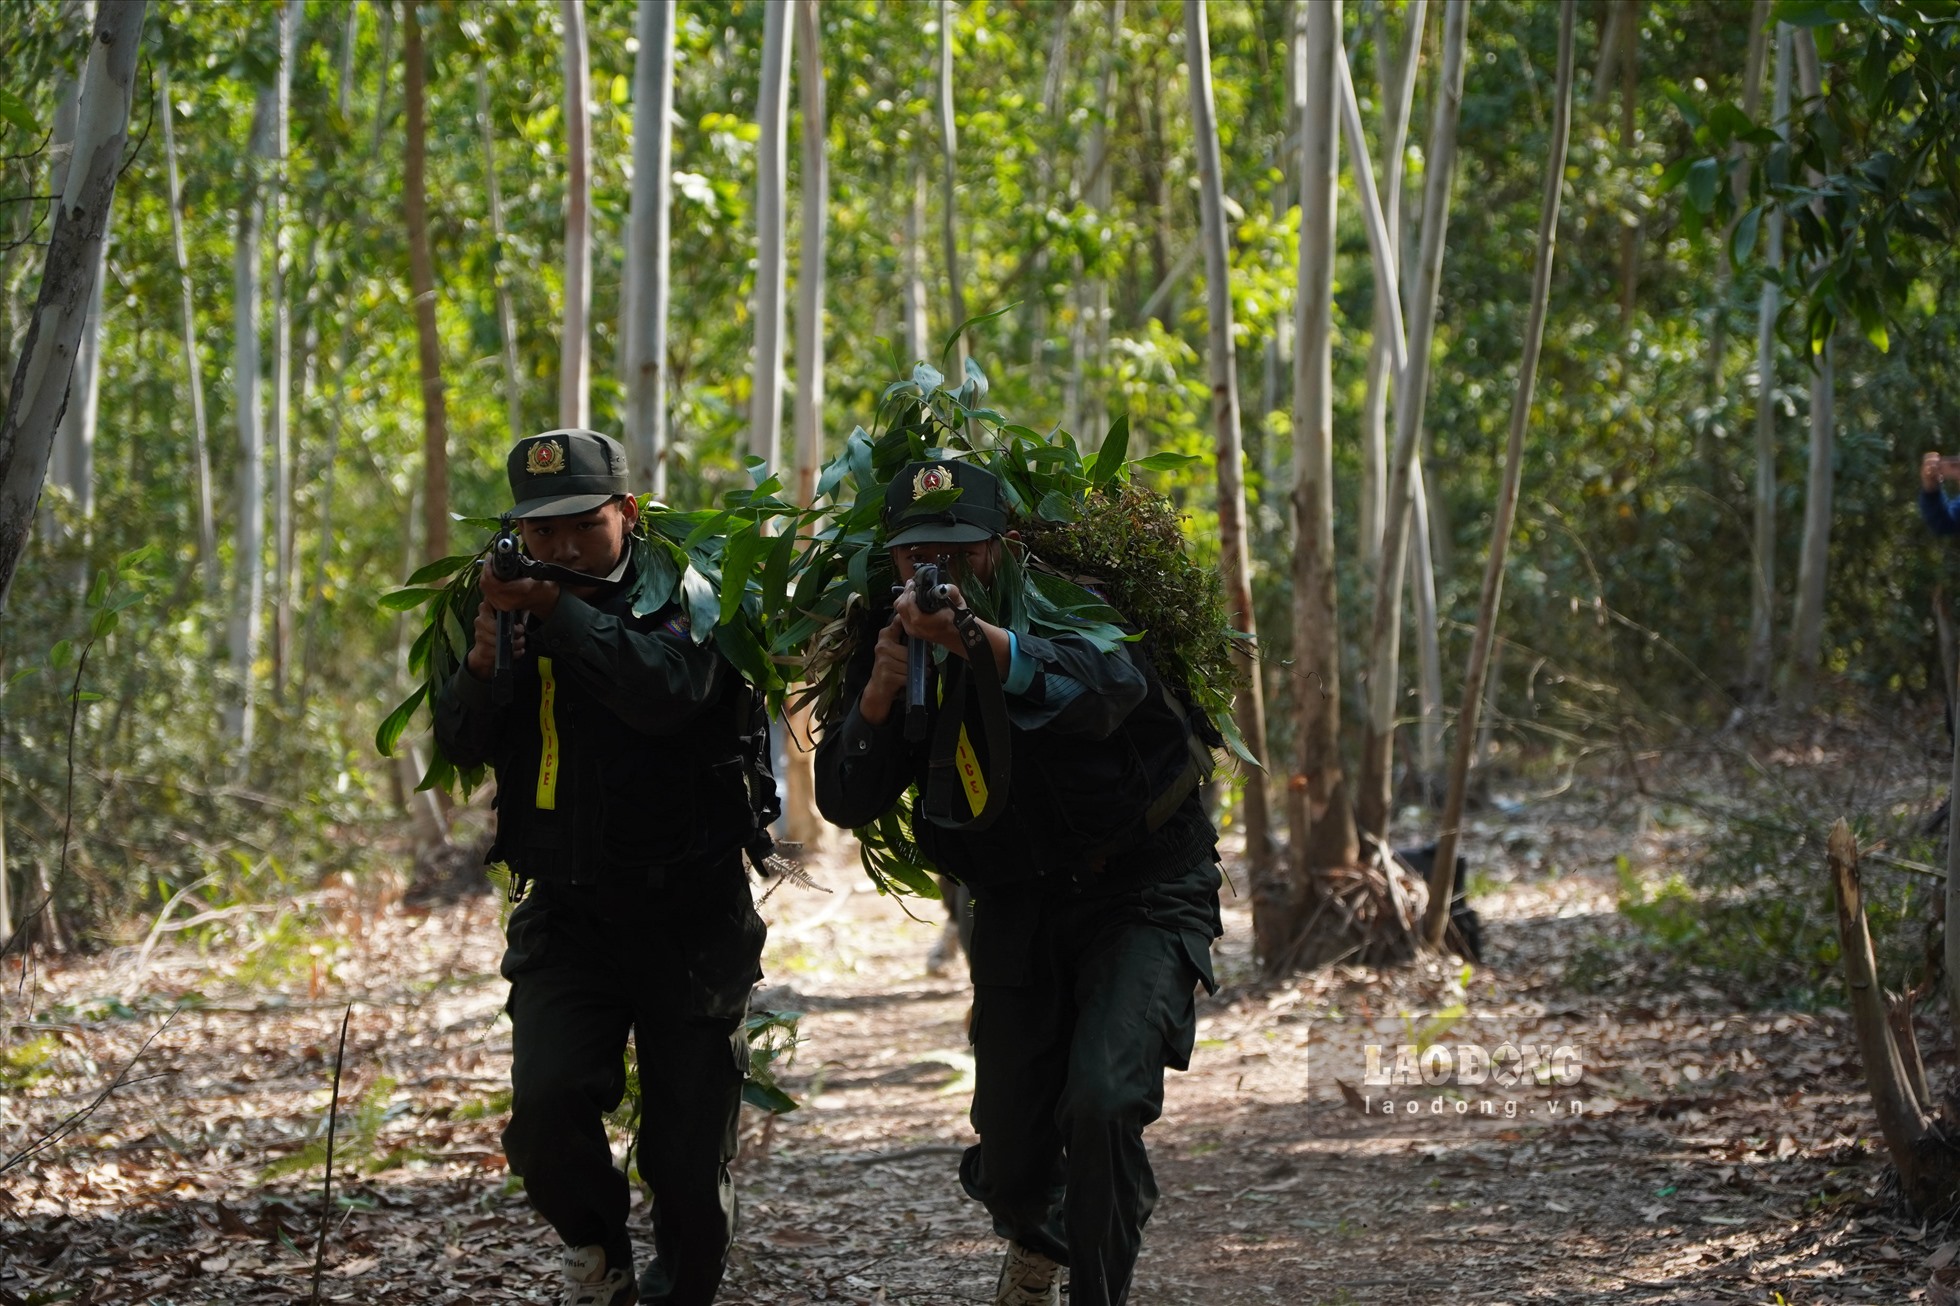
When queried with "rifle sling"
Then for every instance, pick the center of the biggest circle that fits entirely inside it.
(943, 782)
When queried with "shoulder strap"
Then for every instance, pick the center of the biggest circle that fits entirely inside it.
(943, 763)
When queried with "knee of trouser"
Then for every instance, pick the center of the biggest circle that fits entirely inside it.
(1102, 1105)
(552, 1101)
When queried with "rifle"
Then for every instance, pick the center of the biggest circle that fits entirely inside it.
(930, 594)
(507, 561)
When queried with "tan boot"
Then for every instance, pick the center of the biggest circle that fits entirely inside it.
(590, 1282)
(1028, 1278)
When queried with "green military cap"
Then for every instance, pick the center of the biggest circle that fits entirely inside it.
(564, 473)
(975, 515)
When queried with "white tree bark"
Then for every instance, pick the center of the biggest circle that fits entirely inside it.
(506, 315)
(1813, 564)
(1318, 809)
(648, 241)
(575, 346)
(1442, 876)
(1269, 892)
(1762, 591)
(1384, 660)
(766, 400)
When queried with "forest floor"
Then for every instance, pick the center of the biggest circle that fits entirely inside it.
(1707, 1154)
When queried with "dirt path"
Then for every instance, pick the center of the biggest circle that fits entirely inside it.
(1704, 1155)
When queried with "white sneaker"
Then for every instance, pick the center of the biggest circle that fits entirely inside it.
(589, 1283)
(1028, 1279)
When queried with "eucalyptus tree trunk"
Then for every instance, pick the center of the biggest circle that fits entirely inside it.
(42, 370)
(422, 284)
(648, 242)
(1813, 565)
(1398, 96)
(1718, 328)
(1270, 895)
(1084, 411)
(1034, 317)
(1762, 592)
(78, 418)
(808, 414)
(248, 587)
(1384, 661)
(1381, 245)
(575, 345)
(1629, 70)
(766, 399)
(506, 315)
(1101, 197)
(1442, 876)
(1319, 813)
(949, 154)
(1429, 645)
(6, 888)
(914, 302)
(282, 361)
(802, 821)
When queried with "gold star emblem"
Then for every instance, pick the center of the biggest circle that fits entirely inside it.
(930, 479)
(545, 458)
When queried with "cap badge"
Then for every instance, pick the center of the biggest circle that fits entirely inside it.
(929, 480)
(545, 458)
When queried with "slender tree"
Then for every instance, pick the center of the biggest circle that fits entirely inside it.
(804, 824)
(1628, 67)
(1813, 563)
(506, 314)
(575, 347)
(43, 368)
(1398, 96)
(949, 149)
(245, 629)
(1384, 669)
(913, 304)
(1269, 892)
(207, 529)
(1319, 811)
(1762, 590)
(72, 464)
(422, 285)
(648, 240)
(1443, 873)
(1718, 326)
(282, 358)
(766, 401)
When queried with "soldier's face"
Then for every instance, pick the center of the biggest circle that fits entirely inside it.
(589, 542)
(976, 559)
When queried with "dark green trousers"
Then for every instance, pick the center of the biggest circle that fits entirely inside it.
(586, 967)
(1080, 1002)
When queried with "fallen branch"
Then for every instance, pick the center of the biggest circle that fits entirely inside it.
(49, 1139)
(326, 1193)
